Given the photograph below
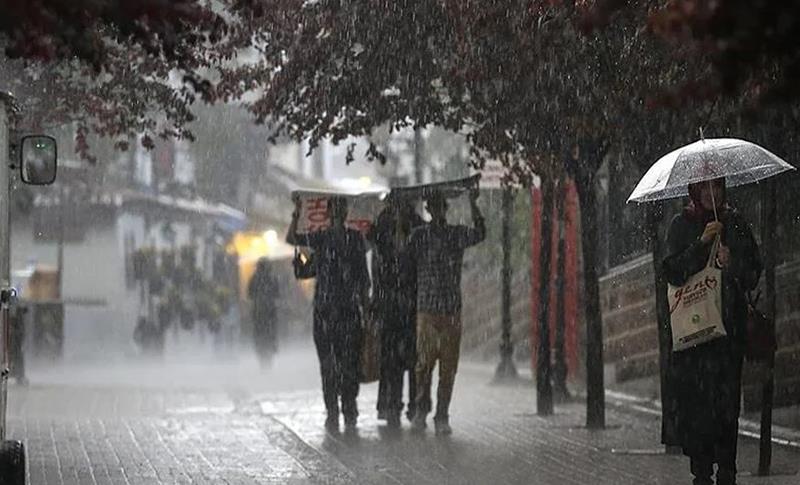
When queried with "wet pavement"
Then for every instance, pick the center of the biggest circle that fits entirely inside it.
(229, 423)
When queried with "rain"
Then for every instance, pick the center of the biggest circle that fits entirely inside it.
(399, 242)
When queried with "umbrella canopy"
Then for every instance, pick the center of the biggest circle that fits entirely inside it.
(739, 161)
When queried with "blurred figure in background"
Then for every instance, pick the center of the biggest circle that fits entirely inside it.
(395, 305)
(340, 296)
(263, 292)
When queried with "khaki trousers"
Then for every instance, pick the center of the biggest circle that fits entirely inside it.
(438, 339)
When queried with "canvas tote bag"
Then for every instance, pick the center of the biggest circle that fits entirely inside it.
(696, 307)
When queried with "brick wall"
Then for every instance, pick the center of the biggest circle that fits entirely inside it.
(631, 340)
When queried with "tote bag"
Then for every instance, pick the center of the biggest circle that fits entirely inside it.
(696, 307)
(370, 351)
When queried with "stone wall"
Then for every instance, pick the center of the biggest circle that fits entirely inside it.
(631, 339)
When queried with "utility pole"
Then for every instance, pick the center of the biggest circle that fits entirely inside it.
(506, 370)
(769, 221)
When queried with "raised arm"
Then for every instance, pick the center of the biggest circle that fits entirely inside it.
(477, 233)
(292, 237)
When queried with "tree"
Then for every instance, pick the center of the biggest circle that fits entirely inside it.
(117, 68)
(748, 48)
(519, 76)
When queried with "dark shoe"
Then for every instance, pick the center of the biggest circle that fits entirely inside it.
(410, 415)
(726, 477)
(418, 424)
(393, 421)
(350, 422)
(332, 424)
(443, 427)
(382, 415)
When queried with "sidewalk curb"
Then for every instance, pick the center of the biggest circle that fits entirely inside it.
(750, 429)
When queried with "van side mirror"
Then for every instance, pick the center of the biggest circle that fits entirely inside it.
(38, 159)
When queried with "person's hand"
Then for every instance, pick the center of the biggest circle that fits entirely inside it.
(712, 230)
(298, 205)
(723, 256)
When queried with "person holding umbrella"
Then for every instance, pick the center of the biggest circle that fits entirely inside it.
(709, 375)
(709, 233)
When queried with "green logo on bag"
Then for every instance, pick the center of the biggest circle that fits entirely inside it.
(695, 319)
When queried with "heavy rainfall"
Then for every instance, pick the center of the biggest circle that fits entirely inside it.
(399, 242)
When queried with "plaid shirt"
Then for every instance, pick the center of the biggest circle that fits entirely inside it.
(439, 252)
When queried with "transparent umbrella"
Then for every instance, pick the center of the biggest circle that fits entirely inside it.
(739, 161)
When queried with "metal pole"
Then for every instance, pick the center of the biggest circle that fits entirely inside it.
(5, 280)
(60, 254)
(769, 220)
(506, 369)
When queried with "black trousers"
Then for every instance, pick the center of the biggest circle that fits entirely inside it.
(338, 337)
(398, 356)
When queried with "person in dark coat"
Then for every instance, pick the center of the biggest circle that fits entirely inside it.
(263, 291)
(707, 378)
(340, 295)
(394, 302)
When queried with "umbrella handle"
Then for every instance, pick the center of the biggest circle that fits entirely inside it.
(713, 201)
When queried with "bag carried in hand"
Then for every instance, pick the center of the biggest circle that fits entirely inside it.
(370, 351)
(304, 265)
(761, 341)
(696, 307)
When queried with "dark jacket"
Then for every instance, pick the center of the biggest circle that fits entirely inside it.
(263, 291)
(394, 275)
(706, 380)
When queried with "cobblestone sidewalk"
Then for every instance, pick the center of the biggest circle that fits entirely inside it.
(94, 433)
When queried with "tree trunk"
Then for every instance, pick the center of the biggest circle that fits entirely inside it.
(544, 387)
(595, 387)
(506, 370)
(655, 215)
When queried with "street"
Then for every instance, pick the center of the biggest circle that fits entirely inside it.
(194, 421)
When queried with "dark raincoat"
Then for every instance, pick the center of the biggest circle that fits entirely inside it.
(707, 379)
(395, 300)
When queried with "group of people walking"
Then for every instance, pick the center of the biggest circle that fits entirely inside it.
(415, 300)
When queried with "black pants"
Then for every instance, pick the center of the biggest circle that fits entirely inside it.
(337, 336)
(398, 349)
(265, 333)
